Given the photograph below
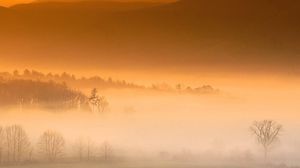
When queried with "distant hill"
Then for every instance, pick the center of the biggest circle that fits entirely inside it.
(187, 34)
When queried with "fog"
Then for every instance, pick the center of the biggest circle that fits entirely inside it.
(165, 126)
(191, 83)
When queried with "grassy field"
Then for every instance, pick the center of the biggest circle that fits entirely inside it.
(118, 165)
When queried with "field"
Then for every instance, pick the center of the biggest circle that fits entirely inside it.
(146, 164)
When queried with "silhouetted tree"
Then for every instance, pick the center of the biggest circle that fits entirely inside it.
(179, 87)
(85, 149)
(79, 148)
(16, 73)
(102, 104)
(50, 76)
(93, 99)
(17, 143)
(89, 149)
(106, 150)
(1, 144)
(51, 145)
(266, 132)
(26, 73)
(98, 103)
(30, 154)
(37, 75)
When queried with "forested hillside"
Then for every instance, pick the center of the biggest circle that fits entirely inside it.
(49, 95)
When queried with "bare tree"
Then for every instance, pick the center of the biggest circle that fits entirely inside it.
(79, 149)
(17, 143)
(102, 104)
(98, 103)
(21, 104)
(51, 145)
(30, 154)
(1, 144)
(106, 150)
(85, 149)
(93, 99)
(266, 132)
(89, 149)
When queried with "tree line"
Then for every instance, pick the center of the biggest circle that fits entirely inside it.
(49, 95)
(16, 147)
(71, 79)
(102, 84)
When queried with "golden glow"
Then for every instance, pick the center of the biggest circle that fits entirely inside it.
(8, 3)
(256, 72)
(13, 2)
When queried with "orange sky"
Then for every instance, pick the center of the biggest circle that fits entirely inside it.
(254, 65)
(13, 2)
